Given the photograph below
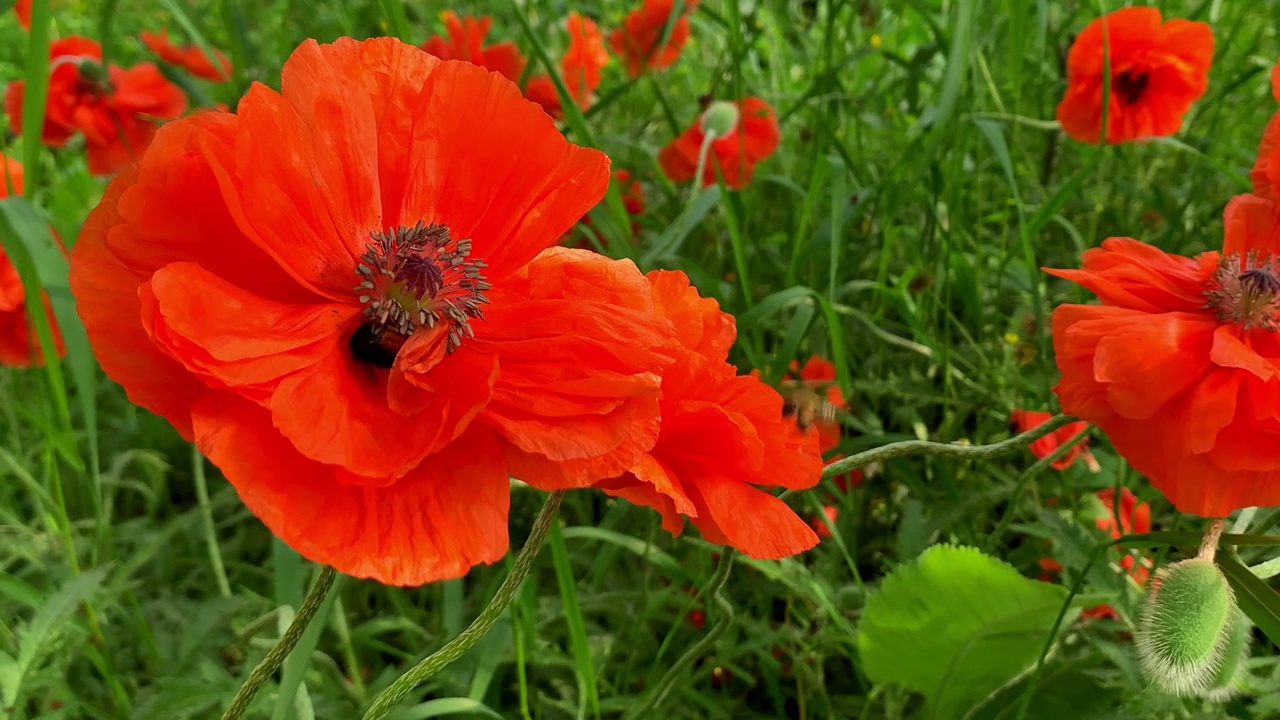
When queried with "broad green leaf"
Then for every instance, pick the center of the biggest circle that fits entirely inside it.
(1256, 598)
(956, 625)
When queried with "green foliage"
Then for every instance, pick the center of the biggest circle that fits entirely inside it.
(956, 625)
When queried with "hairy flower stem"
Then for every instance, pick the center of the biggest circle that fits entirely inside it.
(963, 452)
(1209, 545)
(440, 659)
(703, 646)
(265, 669)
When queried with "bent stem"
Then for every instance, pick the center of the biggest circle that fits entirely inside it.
(1209, 545)
(440, 659)
(273, 660)
(702, 647)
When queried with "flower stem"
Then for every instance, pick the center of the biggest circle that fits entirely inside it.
(452, 650)
(206, 517)
(1209, 545)
(278, 654)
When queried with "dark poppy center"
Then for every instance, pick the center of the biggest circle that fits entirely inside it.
(1246, 291)
(411, 277)
(1129, 86)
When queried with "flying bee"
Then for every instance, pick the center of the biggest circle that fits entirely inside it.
(802, 401)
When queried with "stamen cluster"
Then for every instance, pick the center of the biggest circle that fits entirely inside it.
(1247, 292)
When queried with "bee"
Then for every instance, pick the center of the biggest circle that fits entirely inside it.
(802, 401)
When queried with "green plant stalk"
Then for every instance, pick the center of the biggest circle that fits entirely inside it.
(907, 448)
(701, 648)
(274, 658)
(388, 699)
(206, 516)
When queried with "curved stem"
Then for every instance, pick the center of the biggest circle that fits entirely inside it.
(273, 660)
(926, 447)
(452, 650)
(703, 646)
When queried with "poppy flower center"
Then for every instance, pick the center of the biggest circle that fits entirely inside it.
(1129, 86)
(413, 277)
(1247, 292)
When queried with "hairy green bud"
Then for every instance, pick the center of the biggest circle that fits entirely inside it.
(1186, 626)
(1225, 681)
(720, 118)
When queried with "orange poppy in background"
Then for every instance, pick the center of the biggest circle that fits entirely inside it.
(752, 137)
(18, 344)
(115, 109)
(188, 57)
(1156, 71)
(1266, 169)
(639, 40)
(722, 434)
(1180, 365)
(22, 8)
(584, 59)
(820, 527)
(632, 192)
(346, 295)
(466, 42)
(1026, 420)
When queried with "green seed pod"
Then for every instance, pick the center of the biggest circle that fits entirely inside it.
(1186, 626)
(721, 118)
(1236, 650)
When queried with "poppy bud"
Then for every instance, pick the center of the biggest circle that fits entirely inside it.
(1186, 626)
(1234, 653)
(720, 118)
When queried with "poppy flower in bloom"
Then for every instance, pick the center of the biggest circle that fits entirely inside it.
(541, 90)
(819, 526)
(1180, 365)
(1266, 169)
(188, 57)
(466, 42)
(114, 108)
(23, 10)
(1026, 420)
(747, 133)
(584, 59)
(344, 295)
(721, 434)
(818, 377)
(639, 40)
(1156, 71)
(18, 344)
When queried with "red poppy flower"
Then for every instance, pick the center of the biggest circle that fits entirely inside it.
(639, 40)
(721, 434)
(632, 192)
(23, 10)
(819, 376)
(1266, 169)
(584, 59)
(18, 344)
(1180, 365)
(466, 42)
(1026, 420)
(188, 57)
(819, 526)
(115, 109)
(540, 89)
(1157, 71)
(753, 136)
(344, 295)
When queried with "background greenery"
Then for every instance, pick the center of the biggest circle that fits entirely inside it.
(899, 229)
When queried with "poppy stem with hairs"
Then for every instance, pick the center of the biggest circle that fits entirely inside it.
(440, 659)
(1209, 545)
(310, 605)
(962, 452)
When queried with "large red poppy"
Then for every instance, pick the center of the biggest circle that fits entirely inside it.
(639, 40)
(1156, 71)
(1026, 420)
(466, 42)
(753, 137)
(188, 57)
(721, 435)
(115, 109)
(18, 344)
(344, 295)
(1180, 365)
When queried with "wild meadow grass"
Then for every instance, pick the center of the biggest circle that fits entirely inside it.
(899, 231)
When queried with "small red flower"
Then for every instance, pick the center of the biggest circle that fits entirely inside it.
(541, 90)
(466, 42)
(115, 109)
(696, 618)
(1180, 365)
(819, 526)
(752, 136)
(584, 59)
(639, 40)
(1157, 70)
(632, 192)
(18, 344)
(188, 57)
(22, 8)
(1026, 420)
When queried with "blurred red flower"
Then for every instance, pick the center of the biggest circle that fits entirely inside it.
(1266, 169)
(1025, 420)
(632, 192)
(1156, 71)
(819, 376)
(466, 42)
(846, 481)
(752, 137)
(541, 90)
(1180, 365)
(22, 8)
(721, 434)
(584, 59)
(639, 40)
(819, 526)
(375, 429)
(187, 57)
(1135, 517)
(115, 109)
(18, 344)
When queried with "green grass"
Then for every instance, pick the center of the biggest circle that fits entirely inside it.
(899, 230)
